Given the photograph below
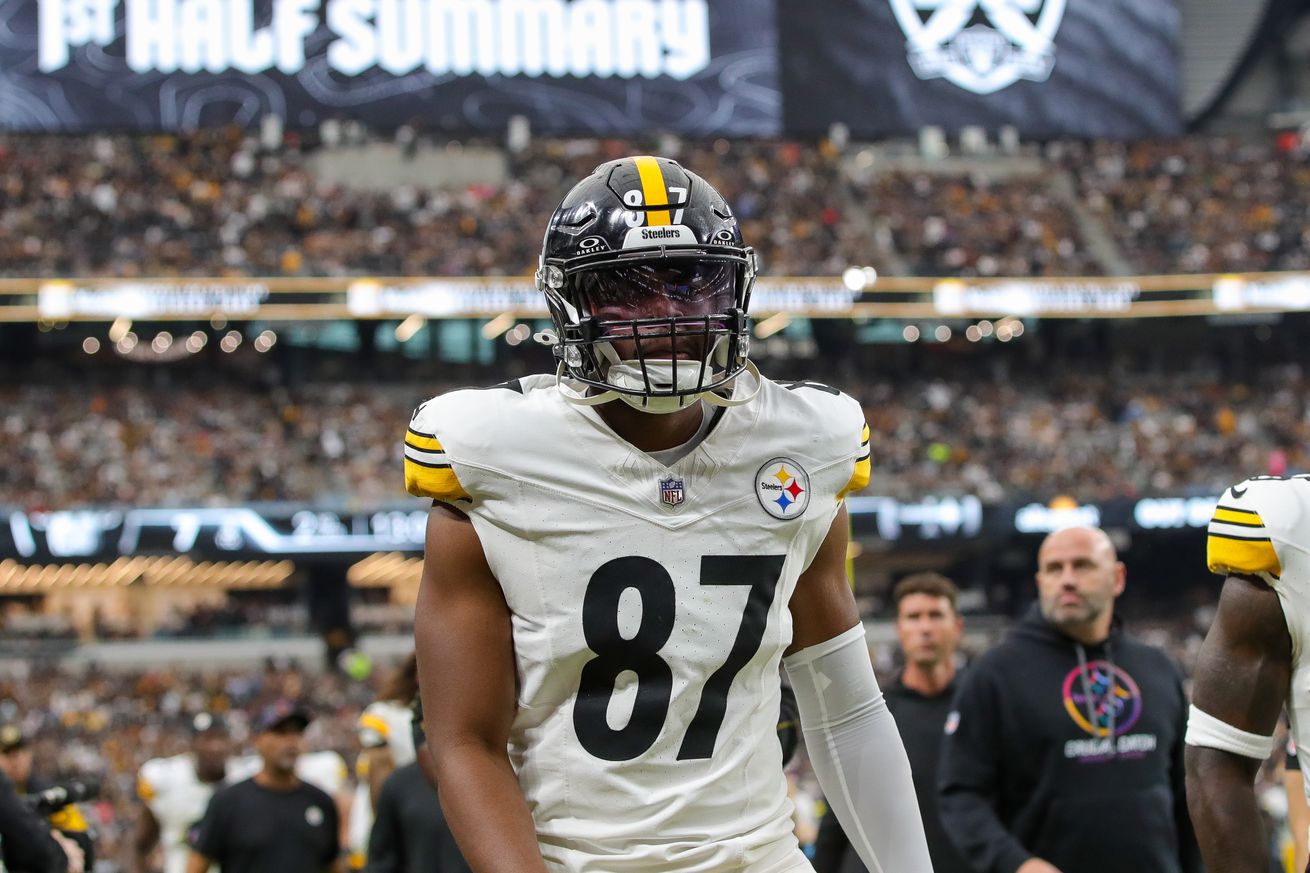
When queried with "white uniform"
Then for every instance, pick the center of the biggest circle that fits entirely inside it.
(178, 799)
(1261, 527)
(649, 610)
(382, 723)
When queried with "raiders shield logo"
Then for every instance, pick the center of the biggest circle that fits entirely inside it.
(980, 45)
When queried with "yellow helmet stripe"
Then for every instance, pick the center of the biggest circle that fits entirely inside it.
(653, 191)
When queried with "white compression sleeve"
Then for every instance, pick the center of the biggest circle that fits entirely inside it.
(858, 754)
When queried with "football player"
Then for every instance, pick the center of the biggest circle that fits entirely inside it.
(620, 554)
(386, 744)
(1255, 660)
(175, 792)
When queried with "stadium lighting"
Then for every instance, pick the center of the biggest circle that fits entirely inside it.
(406, 330)
(119, 329)
(911, 333)
(854, 279)
(497, 325)
(90, 345)
(771, 325)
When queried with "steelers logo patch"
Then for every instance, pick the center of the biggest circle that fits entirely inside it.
(783, 488)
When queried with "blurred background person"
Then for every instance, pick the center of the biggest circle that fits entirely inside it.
(386, 744)
(174, 793)
(16, 760)
(1064, 750)
(929, 628)
(273, 822)
(409, 833)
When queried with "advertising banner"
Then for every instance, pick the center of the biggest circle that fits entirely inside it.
(614, 67)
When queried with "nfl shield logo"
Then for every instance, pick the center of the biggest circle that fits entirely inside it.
(671, 492)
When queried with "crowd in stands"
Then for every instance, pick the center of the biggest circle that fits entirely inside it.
(1090, 435)
(1199, 205)
(977, 226)
(215, 202)
(106, 724)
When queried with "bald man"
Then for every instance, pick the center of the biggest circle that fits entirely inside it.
(1064, 752)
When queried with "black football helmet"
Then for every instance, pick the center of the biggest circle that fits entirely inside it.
(648, 282)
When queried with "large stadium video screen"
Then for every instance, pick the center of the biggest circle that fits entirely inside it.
(619, 67)
(1051, 68)
(1095, 68)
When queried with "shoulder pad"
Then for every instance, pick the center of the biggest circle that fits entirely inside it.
(844, 418)
(428, 471)
(1252, 519)
(374, 729)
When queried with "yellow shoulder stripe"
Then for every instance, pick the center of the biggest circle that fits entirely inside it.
(144, 789)
(863, 467)
(423, 441)
(439, 483)
(1231, 554)
(1239, 517)
(369, 720)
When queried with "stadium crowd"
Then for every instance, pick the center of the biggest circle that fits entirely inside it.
(217, 203)
(105, 725)
(1089, 435)
(1199, 205)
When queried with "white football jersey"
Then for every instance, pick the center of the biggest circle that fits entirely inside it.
(178, 799)
(1261, 527)
(382, 723)
(387, 723)
(650, 610)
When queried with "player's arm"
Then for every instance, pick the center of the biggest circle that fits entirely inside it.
(462, 629)
(380, 765)
(144, 840)
(197, 862)
(854, 746)
(1241, 681)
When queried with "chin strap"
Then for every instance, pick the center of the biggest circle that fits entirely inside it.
(577, 393)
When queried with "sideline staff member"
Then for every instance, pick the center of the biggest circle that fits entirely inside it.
(68, 822)
(1065, 750)
(273, 822)
(929, 628)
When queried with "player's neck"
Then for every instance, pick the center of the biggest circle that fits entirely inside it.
(650, 432)
(929, 679)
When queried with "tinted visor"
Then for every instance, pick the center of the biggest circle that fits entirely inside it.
(657, 289)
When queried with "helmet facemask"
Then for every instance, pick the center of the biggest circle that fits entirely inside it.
(658, 330)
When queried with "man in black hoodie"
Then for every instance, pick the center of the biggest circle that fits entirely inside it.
(1065, 750)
